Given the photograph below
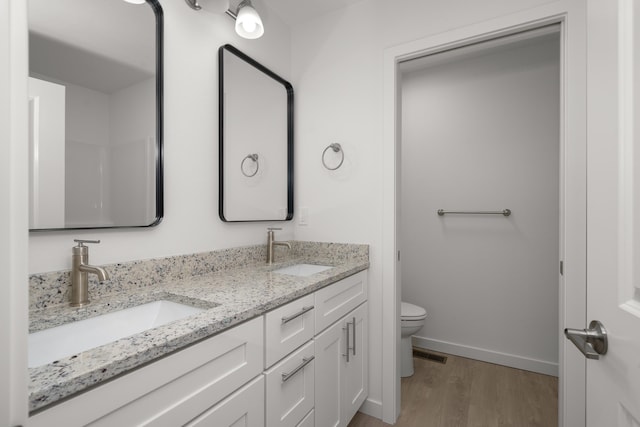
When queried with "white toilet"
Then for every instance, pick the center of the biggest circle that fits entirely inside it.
(411, 321)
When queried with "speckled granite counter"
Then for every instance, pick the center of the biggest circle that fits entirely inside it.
(239, 292)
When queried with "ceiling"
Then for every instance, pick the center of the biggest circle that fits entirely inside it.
(104, 45)
(296, 11)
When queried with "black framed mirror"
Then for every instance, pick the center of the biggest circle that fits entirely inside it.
(255, 140)
(96, 113)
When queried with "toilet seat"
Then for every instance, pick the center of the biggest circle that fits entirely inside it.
(412, 312)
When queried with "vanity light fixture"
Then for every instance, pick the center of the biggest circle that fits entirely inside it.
(136, 1)
(248, 22)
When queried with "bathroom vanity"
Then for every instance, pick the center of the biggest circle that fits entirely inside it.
(274, 348)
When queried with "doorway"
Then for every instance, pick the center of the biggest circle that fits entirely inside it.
(479, 198)
(572, 188)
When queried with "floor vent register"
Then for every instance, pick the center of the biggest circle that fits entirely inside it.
(422, 354)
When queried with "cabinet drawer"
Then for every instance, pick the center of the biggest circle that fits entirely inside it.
(290, 388)
(336, 300)
(244, 407)
(174, 389)
(287, 328)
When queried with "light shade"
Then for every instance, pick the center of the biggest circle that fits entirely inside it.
(248, 22)
(136, 1)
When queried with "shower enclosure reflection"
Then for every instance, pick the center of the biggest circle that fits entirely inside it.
(95, 108)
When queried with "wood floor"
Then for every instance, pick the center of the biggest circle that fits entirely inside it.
(469, 393)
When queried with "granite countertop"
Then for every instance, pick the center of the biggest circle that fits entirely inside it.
(230, 297)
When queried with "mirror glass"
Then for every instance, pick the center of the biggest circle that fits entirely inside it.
(95, 109)
(256, 140)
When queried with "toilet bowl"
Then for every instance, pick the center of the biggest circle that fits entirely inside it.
(412, 320)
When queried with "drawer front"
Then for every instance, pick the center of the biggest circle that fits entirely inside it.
(308, 421)
(287, 328)
(245, 407)
(206, 373)
(290, 388)
(336, 300)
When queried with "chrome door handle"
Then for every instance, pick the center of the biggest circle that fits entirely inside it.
(591, 342)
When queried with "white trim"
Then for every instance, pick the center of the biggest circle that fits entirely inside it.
(371, 407)
(506, 359)
(572, 293)
(13, 212)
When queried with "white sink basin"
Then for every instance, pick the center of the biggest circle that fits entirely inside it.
(302, 269)
(66, 340)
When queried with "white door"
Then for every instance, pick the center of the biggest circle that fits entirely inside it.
(613, 209)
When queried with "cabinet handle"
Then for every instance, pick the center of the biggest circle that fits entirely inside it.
(347, 342)
(305, 362)
(354, 336)
(298, 314)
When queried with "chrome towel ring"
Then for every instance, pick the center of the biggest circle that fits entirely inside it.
(254, 158)
(336, 149)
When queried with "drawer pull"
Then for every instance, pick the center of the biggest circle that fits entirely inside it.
(353, 323)
(305, 362)
(347, 342)
(298, 314)
(354, 336)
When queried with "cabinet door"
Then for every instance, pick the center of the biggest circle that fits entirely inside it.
(330, 347)
(245, 407)
(289, 387)
(355, 379)
(342, 385)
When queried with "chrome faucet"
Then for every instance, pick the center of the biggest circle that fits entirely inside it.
(271, 242)
(80, 273)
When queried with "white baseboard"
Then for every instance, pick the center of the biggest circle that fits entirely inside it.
(372, 408)
(511, 360)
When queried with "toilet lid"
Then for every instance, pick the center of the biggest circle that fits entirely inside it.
(410, 311)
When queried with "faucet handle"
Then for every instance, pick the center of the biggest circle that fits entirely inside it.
(274, 228)
(81, 241)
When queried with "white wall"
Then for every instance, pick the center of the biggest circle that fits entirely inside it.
(191, 221)
(337, 68)
(482, 133)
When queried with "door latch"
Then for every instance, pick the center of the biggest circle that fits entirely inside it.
(591, 342)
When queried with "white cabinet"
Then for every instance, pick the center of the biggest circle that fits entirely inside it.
(171, 391)
(355, 381)
(290, 388)
(341, 383)
(221, 381)
(245, 407)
